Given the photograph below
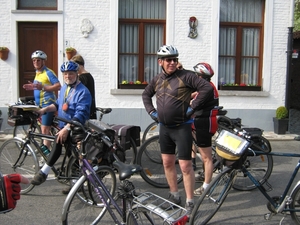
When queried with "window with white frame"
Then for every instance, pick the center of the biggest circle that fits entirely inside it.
(37, 4)
(142, 28)
(241, 43)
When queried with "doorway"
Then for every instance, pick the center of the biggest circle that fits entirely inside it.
(35, 36)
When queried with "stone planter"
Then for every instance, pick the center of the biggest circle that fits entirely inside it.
(280, 125)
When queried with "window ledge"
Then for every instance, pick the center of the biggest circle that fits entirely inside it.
(126, 91)
(244, 93)
(221, 93)
(37, 11)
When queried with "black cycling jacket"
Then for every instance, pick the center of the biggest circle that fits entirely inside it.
(173, 95)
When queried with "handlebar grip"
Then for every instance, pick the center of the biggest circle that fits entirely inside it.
(73, 122)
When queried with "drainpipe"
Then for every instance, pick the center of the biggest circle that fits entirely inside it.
(289, 56)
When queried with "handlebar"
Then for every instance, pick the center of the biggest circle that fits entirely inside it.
(75, 123)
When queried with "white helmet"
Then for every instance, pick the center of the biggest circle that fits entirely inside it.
(39, 54)
(167, 51)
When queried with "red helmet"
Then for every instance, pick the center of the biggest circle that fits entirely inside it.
(204, 69)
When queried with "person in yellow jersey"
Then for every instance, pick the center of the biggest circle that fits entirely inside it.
(45, 85)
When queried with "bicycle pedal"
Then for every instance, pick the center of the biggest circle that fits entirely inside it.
(268, 216)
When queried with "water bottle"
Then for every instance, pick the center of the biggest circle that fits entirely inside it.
(45, 150)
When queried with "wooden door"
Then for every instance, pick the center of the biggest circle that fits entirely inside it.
(35, 36)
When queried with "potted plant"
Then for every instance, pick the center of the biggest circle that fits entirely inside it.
(133, 84)
(281, 120)
(4, 53)
(70, 52)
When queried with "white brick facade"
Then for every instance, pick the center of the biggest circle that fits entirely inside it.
(100, 48)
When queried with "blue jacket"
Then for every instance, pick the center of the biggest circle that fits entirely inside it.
(79, 101)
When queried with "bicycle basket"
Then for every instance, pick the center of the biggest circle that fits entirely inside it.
(230, 146)
(21, 114)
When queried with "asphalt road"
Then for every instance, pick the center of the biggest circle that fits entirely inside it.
(43, 205)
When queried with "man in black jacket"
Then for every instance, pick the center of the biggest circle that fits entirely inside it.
(173, 89)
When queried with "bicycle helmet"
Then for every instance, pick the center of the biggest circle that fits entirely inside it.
(167, 51)
(39, 54)
(69, 66)
(204, 69)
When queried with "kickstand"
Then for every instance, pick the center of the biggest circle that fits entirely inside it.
(284, 215)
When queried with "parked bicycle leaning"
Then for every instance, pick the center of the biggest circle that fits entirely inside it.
(74, 102)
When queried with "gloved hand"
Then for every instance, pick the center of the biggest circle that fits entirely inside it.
(189, 112)
(10, 190)
(154, 116)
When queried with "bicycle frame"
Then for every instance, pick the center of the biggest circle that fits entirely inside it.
(280, 206)
(89, 173)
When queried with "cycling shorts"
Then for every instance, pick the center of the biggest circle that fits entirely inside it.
(47, 118)
(179, 138)
(205, 129)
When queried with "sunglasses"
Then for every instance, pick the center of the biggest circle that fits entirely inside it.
(168, 60)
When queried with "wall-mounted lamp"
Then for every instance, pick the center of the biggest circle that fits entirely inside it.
(193, 22)
(86, 27)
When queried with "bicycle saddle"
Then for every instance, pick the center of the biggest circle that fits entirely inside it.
(126, 170)
(104, 110)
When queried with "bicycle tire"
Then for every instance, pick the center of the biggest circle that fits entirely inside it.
(140, 215)
(131, 153)
(87, 193)
(9, 154)
(149, 157)
(260, 167)
(75, 211)
(213, 197)
(295, 204)
(150, 130)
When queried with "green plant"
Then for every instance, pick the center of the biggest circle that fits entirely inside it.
(70, 49)
(2, 48)
(282, 112)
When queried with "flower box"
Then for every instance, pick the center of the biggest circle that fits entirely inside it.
(132, 86)
(240, 88)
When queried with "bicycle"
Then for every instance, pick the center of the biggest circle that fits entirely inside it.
(144, 208)
(215, 194)
(149, 157)
(20, 155)
(131, 144)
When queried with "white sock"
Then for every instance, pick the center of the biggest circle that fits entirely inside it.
(205, 185)
(46, 169)
(190, 201)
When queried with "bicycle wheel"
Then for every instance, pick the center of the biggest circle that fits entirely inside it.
(131, 153)
(213, 197)
(16, 157)
(149, 157)
(76, 211)
(151, 129)
(142, 216)
(295, 204)
(259, 166)
(87, 192)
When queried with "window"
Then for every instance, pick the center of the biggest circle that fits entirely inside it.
(38, 4)
(142, 25)
(241, 43)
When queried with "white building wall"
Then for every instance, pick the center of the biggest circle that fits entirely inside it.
(99, 49)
